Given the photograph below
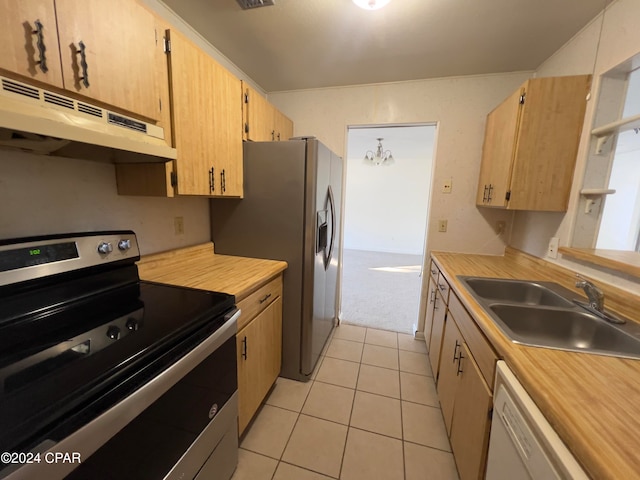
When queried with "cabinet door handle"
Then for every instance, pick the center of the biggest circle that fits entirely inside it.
(442, 287)
(459, 371)
(41, 46)
(223, 181)
(83, 64)
(278, 136)
(273, 135)
(265, 298)
(244, 347)
(489, 196)
(435, 303)
(212, 182)
(455, 351)
(484, 195)
(434, 271)
(432, 297)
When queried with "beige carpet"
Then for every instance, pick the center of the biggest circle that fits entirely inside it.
(381, 290)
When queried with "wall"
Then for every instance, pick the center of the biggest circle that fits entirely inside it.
(620, 40)
(458, 105)
(42, 195)
(377, 218)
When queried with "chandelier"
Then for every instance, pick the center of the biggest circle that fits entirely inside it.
(381, 157)
(371, 4)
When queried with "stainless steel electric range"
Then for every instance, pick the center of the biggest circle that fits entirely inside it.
(104, 376)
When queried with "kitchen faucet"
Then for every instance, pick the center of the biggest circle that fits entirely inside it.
(596, 300)
(594, 294)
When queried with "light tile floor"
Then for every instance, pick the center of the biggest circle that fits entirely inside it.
(371, 413)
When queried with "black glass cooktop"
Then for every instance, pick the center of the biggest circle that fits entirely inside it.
(56, 356)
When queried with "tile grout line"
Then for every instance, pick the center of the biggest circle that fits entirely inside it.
(355, 391)
(404, 455)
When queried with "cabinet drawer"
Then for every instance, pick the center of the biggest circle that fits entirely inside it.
(443, 286)
(481, 349)
(434, 270)
(256, 302)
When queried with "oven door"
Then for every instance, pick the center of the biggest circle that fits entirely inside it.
(168, 428)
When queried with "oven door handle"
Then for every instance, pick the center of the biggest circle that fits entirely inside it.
(89, 438)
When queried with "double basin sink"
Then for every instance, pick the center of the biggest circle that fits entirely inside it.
(545, 314)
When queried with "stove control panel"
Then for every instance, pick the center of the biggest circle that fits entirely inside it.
(35, 257)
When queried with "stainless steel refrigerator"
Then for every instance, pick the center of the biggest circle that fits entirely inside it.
(290, 211)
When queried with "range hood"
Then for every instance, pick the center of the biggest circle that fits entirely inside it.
(39, 121)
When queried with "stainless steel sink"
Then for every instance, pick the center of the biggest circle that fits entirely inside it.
(568, 329)
(544, 314)
(519, 291)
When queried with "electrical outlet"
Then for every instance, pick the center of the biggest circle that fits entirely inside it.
(500, 226)
(447, 185)
(442, 225)
(552, 251)
(178, 225)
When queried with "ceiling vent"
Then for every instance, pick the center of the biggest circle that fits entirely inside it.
(247, 4)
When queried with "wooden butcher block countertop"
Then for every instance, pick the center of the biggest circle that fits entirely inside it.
(592, 401)
(199, 267)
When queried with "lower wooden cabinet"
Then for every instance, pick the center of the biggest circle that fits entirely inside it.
(437, 330)
(471, 422)
(428, 321)
(259, 360)
(465, 396)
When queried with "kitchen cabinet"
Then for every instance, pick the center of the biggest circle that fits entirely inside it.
(428, 321)
(282, 126)
(262, 121)
(439, 319)
(105, 51)
(257, 115)
(259, 348)
(206, 127)
(463, 390)
(471, 423)
(531, 143)
(29, 35)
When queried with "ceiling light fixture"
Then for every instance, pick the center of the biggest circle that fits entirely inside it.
(381, 157)
(371, 4)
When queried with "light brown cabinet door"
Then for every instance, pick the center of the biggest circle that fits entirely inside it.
(191, 73)
(428, 321)
(259, 347)
(108, 52)
(227, 133)
(530, 146)
(449, 370)
(471, 420)
(29, 38)
(547, 146)
(498, 150)
(435, 343)
(283, 126)
(258, 116)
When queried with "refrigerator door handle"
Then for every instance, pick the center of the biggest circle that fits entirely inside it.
(333, 227)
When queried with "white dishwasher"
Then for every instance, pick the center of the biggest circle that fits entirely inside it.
(523, 445)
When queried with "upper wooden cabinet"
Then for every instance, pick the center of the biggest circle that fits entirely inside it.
(106, 51)
(262, 121)
(29, 37)
(530, 145)
(206, 122)
(206, 128)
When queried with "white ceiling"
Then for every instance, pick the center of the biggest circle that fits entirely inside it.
(299, 44)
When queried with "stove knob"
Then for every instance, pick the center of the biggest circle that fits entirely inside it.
(132, 324)
(113, 332)
(105, 247)
(124, 245)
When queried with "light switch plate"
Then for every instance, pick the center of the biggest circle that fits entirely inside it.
(447, 186)
(442, 225)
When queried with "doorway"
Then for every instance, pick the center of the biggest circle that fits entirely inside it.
(386, 210)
